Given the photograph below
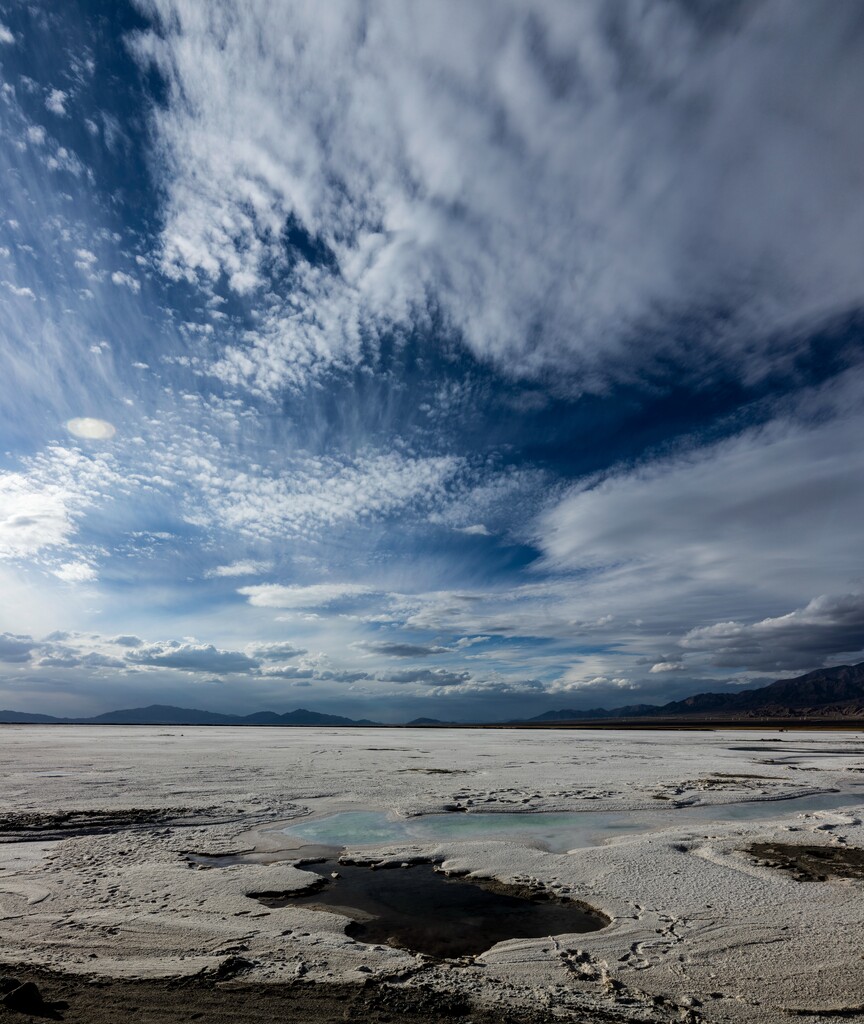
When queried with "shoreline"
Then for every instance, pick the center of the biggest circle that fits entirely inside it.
(600, 725)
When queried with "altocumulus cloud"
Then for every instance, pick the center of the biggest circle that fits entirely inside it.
(314, 495)
(40, 507)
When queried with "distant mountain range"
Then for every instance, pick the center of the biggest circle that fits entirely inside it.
(825, 693)
(165, 714)
(830, 693)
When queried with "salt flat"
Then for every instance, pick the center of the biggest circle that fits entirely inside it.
(700, 929)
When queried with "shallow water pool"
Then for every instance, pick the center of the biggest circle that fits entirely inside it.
(424, 910)
(555, 831)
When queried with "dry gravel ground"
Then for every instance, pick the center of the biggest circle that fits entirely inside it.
(100, 908)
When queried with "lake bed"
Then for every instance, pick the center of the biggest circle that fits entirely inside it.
(686, 843)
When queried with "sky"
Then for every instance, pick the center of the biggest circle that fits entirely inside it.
(398, 359)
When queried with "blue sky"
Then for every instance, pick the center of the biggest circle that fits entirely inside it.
(405, 359)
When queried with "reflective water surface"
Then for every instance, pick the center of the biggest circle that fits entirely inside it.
(421, 909)
(556, 832)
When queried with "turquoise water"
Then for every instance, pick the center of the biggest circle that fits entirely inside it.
(556, 831)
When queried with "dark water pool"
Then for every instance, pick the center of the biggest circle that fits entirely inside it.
(424, 910)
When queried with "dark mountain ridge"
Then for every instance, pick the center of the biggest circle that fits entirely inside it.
(827, 693)
(165, 714)
(830, 692)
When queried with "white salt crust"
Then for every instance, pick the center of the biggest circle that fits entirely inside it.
(699, 930)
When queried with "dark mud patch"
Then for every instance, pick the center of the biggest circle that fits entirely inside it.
(92, 1000)
(810, 863)
(856, 1011)
(744, 775)
(419, 908)
(17, 826)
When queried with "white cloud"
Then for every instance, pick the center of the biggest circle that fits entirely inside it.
(56, 101)
(572, 682)
(275, 651)
(59, 661)
(122, 279)
(319, 595)
(85, 260)
(40, 508)
(501, 500)
(429, 677)
(509, 164)
(21, 292)
(126, 640)
(191, 657)
(291, 672)
(6, 34)
(315, 494)
(90, 428)
(768, 516)
(402, 649)
(666, 666)
(97, 660)
(242, 568)
(75, 572)
(825, 627)
(475, 530)
(15, 648)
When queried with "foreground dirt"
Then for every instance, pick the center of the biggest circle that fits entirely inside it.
(79, 1000)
